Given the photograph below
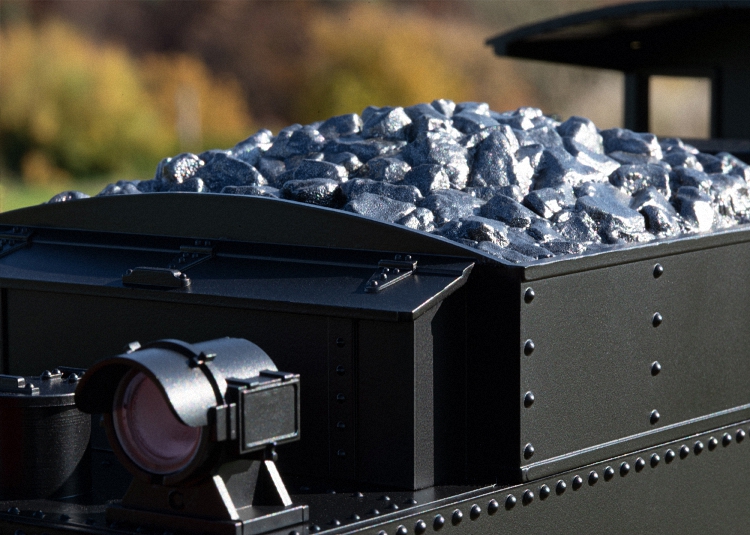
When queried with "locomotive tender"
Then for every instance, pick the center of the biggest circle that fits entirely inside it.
(434, 387)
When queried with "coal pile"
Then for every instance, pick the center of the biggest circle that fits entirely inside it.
(518, 185)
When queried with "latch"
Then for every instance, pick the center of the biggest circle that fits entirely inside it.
(14, 239)
(174, 275)
(391, 272)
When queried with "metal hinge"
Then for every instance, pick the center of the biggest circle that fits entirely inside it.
(174, 275)
(14, 239)
(391, 272)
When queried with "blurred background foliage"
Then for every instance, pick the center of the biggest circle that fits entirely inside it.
(94, 91)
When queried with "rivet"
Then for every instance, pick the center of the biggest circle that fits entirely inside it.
(340, 397)
(393, 507)
(528, 347)
(374, 283)
(655, 368)
(341, 453)
(529, 295)
(528, 399)
(340, 342)
(544, 492)
(420, 527)
(401, 530)
(528, 451)
(335, 522)
(374, 511)
(15, 511)
(510, 502)
(684, 452)
(593, 478)
(577, 482)
(358, 495)
(63, 517)
(740, 435)
(475, 512)
(438, 522)
(528, 497)
(410, 501)
(658, 271)
(407, 257)
(698, 447)
(456, 517)
(383, 276)
(38, 514)
(669, 456)
(726, 440)
(385, 498)
(609, 473)
(560, 487)
(398, 257)
(712, 443)
(340, 425)
(654, 418)
(656, 320)
(492, 507)
(340, 369)
(382, 532)
(655, 460)
(624, 469)
(46, 375)
(355, 517)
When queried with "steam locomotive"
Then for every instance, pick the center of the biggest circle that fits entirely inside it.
(278, 367)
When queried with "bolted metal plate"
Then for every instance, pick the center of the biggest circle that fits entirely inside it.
(631, 355)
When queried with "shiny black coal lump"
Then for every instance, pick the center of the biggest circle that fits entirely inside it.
(517, 185)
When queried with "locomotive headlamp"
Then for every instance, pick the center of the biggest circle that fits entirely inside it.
(187, 418)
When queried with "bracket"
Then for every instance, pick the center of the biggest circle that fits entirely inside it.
(391, 272)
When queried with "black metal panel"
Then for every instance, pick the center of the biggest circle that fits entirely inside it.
(227, 217)
(492, 371)
(342, 414)
(448, 334)
(386, 400)
(279, 279)
(597, 335)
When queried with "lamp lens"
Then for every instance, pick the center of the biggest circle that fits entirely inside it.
(148, 431)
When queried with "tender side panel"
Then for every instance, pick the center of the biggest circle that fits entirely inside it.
(597, 336)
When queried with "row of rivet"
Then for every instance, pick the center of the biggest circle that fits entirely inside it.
(576, 483)
(528, 349)
(656, 320)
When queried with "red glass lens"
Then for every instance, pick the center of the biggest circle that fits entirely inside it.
(148, 431)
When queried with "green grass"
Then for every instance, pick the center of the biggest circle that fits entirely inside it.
(14, 194)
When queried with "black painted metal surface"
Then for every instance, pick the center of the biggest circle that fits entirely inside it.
(466, 374)
(681, 38)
